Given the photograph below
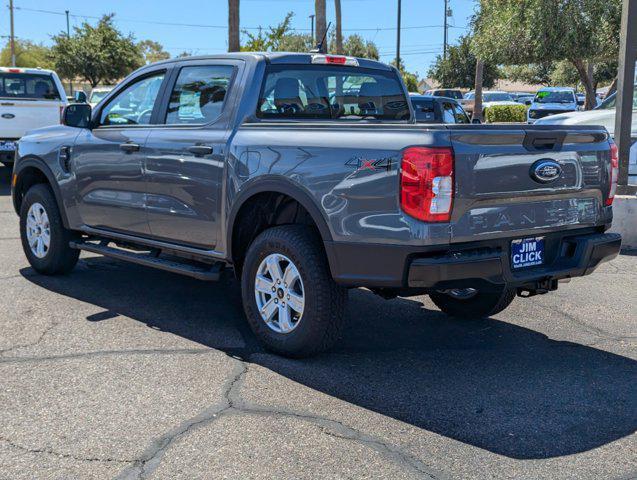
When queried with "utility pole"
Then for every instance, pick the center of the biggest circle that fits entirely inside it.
(624, 100)
(339, 27)
(12, 39)
(446, 30)
(68, 26)
(398, 37)
(312, 27)
(477, 88)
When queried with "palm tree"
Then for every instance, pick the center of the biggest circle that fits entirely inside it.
(339, 31)
(319, 6)
(233, 26)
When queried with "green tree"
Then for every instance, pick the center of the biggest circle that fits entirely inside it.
(152, 51)
(97, 54)
(459, 68)
(534, 73)
(355, 46)
(410, 79)
(518, 32)
(27, 54)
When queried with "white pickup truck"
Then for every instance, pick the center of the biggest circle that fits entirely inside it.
(30, 98)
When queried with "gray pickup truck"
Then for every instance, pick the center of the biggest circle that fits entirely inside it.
(307, 174)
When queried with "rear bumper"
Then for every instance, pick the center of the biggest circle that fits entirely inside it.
(568, 255)
(576, 256)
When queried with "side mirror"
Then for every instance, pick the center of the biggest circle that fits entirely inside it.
(79, 97)
(528, 102)
(77, 115)
(476, 121)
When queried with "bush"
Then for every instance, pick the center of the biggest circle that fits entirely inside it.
(505, 113)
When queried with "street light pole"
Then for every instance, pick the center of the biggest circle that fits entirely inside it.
(625, 82)
(398, 37)
(68, 26)
(12, 38)
(312, 27)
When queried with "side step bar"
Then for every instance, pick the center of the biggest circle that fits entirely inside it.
(210, 274)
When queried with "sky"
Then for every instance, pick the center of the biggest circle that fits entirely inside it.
(200, 27)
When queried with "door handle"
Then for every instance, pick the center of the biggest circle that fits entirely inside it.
(129, 147)
(200, 150)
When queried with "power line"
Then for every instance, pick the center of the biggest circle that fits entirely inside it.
(203, 25)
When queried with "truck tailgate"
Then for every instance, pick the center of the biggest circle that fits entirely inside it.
(19, 116)
(501, 193)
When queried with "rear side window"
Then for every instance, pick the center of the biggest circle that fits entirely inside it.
(30, 86)
(425, 110)
(199, 94)
(331, 92)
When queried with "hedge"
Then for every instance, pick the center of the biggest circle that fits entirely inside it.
(505, 113)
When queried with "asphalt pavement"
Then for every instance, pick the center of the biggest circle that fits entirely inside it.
(120, 371)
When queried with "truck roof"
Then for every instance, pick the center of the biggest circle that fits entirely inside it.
(24, 70)
(276, 58)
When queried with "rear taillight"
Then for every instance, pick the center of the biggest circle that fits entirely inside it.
(426, 183)
(614, 173)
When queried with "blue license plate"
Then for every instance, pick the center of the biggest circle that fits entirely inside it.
(7, 146)
(527, 252)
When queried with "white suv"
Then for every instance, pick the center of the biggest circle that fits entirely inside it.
(29, 98)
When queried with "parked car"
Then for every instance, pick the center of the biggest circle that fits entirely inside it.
(603, 115)
(523, 97)
(308, 175)
(430, 109)
(98, 93)
(446, 92)
(489, 98)
(550, 101)
(29, 98)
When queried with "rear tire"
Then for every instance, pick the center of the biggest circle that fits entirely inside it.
(45, 241)
(296, 249)
(482, 304)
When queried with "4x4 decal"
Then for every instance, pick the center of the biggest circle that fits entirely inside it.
(373, 164)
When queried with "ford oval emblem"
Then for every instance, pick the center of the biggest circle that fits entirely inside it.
(8, 115)
(545, 170)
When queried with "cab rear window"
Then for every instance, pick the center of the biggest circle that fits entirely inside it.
(331, 92)
(28, 86)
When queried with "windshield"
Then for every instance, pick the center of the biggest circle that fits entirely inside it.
(28, 86)
(557, 96)
(97, 96)
(496, 97)
(609, 102)
(331, 92)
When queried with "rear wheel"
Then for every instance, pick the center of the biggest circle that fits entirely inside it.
(473, 303)
(291, 301)
(45, 241)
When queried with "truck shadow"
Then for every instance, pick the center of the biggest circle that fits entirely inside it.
(487, 383)
(5, 180)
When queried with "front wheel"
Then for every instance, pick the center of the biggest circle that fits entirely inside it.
(45, 241)
(291, 301)
(473, 303)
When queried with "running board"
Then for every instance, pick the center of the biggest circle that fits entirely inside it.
(210, 274)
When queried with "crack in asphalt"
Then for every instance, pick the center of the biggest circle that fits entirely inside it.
(593, 330)
(47, 451)
(232, 404)
(30, 344)
(103, 353)
(151, 458)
